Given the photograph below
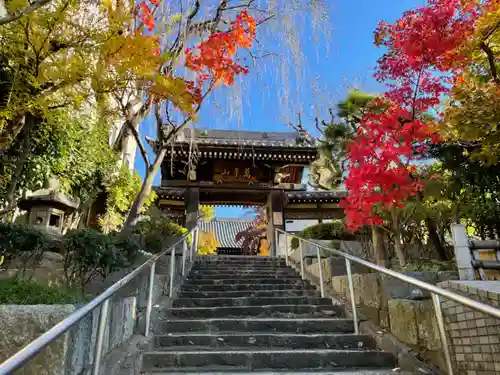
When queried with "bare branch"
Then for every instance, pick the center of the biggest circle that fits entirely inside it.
(8, 209)
(491, 61)
(23, 12)
(130, 126)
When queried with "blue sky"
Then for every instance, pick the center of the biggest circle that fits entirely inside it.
(332, 66)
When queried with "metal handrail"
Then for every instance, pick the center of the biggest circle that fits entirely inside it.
(31, 350)
(435, 291)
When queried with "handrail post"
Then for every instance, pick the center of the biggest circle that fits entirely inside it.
(149, 307)
(191, 247)
(196, 235)
(322, 287)
(351, 293)
(184, 256)
(276, 243)
(286, 250)
(103, 315)
(172, 268)
(442, 332)
(301, 253)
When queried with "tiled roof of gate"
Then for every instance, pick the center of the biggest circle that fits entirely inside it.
(293, 196)
(226, 229)
(243, 138)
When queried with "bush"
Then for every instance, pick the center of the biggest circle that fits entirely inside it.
(23, 292)
(155, 229)
(22, 242)
(335, 230)
(90, 253)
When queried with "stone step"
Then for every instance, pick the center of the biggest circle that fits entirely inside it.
(264, 340)
(243, 287)
(244, 280)
(265, 325)
(247, 293)
(188, 371)
(237, 273)
(232, 265)
(250, 301)
(304, 311)
(239, 258)
(237, 264)
(243, 276)
(307, 359)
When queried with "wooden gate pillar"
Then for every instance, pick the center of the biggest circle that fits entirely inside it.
(275, 219)
(192, 202)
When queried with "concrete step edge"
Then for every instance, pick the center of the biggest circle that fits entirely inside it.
(306, 372)
(269, 351)
(251, 319)
(260, 334)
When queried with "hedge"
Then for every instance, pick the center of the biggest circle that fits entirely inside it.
(334, 230)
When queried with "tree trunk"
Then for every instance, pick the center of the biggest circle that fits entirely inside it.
(399, 248)
(145, 191)
(434, 237)
(379, 249)
(20, 162)
(398, 239)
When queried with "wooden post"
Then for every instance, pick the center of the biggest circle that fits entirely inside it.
(463, 253)
(192, 202)
(275, 219)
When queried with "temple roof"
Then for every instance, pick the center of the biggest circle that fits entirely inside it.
(225, 230)
(244, 138)
(292, 196)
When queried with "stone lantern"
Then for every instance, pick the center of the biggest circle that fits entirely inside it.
(48, 208)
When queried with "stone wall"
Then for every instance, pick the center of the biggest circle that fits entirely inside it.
(393, 305)
(474, 336)
(408, 314)
(73, 352)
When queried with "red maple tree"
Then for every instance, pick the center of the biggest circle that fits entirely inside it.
(215, 58)
(383, 159)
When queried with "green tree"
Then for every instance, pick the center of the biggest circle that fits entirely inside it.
(327, 171)
(70, 146)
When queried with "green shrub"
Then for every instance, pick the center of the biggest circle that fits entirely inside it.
(155, 229)
(335, 230)
(24, 292)
(90, 253)
(22, 242)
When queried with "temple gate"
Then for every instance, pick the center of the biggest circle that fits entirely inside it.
(242, 168)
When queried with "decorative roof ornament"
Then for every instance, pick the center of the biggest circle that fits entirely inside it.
(303, 137)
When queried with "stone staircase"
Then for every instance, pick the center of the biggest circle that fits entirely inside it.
(254, 314)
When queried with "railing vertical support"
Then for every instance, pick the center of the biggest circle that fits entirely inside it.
(322, 287)
(103, 316)
(149, 306)
(184, 257)
(351, 294)
(301, 253)
(172, 269)
(276, 243)
(196, 238)
(191, 247)
(286, 249)
(442, 332)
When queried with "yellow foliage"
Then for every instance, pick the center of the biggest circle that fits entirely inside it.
(174, 89)
(69, 53)
(207, 243)
(473, 113)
